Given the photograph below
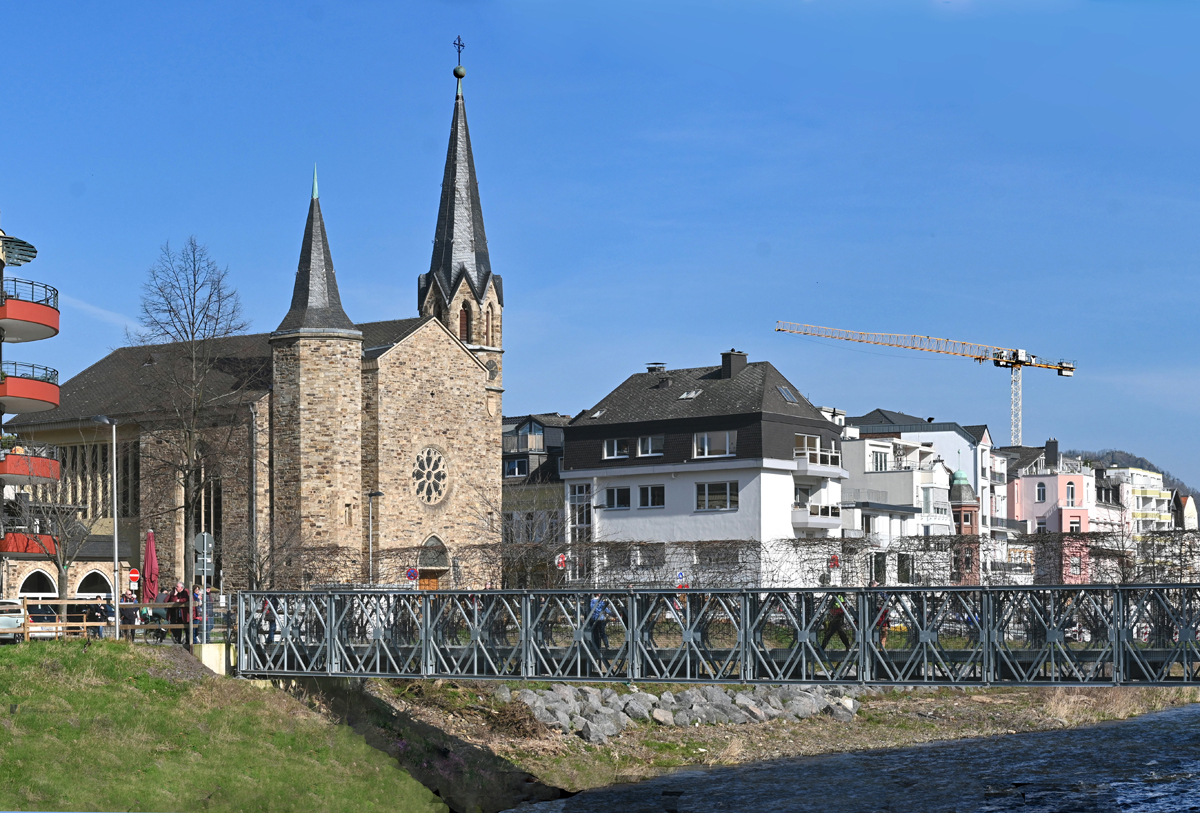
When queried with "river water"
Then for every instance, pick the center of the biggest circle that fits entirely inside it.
(1151, 763)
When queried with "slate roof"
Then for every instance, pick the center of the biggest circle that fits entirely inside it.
(544, 418)
(977, 432)
(460, 246)
(882, 416)
(119, 385)
(752, 390)
(1021, 456)
(316, 303)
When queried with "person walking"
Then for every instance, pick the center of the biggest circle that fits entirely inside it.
(197, 614)
(837, 621)
(129, 614)
(177, 615)
(600, 616)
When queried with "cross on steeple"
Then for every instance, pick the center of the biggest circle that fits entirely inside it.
(458, 46)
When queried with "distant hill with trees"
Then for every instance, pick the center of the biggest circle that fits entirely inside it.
(1116, 457)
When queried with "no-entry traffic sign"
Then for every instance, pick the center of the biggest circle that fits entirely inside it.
(134, 576)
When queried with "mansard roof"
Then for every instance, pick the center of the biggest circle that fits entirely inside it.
(316, 303)
(655, 396)
(884, 416)
(460, 249)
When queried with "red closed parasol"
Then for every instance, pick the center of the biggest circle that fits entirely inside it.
(150, 566)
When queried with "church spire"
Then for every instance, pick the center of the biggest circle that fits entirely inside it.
(316, 304)
(460, 246)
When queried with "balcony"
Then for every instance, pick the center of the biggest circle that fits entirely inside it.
(824, 463)
(524, 443)
(1002, 523)
(812, 515)
(27, 387)
(853, 495)
(28, 310)
(27, 464)
(998, 479)
(22, 540)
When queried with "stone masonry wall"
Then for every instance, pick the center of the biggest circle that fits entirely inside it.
(317, 428)
(432, 395)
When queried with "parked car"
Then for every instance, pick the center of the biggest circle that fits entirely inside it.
(12, 619)
(43, 614)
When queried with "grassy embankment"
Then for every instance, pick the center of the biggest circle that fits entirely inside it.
(887, 720)
(114, 727)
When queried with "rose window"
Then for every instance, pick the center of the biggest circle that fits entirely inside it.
(429, 476)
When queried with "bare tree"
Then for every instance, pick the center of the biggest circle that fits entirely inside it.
(195, 384)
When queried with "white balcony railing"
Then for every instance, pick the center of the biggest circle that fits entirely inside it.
(821, 457)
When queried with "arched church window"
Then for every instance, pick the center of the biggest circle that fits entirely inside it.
(490, 337)
(464, 323)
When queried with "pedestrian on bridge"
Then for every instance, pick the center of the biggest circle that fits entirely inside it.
(837, 621)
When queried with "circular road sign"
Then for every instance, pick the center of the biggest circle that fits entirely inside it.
(560, 561)
(412, 574)
(134, 576)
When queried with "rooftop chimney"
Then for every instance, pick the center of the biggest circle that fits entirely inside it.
(732, 363)
(1052, 453)
(655, 367)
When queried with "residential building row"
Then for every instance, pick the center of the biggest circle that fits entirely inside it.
(728, 474)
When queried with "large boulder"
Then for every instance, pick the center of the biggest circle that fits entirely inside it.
(683, 717)
(502, 693)
(637, 711)
(529, 698)
(666, 699)
(565, 692)
(804, 705)
(593, 733)
(838, 712)
(663, 717)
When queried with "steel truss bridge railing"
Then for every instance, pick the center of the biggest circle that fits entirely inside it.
(1042, 635)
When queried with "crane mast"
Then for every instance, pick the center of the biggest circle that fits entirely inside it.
(1014, 359)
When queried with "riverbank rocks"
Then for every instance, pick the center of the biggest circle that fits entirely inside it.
(597, 714)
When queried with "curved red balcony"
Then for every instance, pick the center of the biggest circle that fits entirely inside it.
(28, 464)
(27, 387)
(22, 542)
(28, 310)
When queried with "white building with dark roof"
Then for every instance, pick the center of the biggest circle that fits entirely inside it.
(678, 460)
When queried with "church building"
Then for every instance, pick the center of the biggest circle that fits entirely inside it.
(345, 452)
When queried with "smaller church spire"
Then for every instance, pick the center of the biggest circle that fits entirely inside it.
(316, 303)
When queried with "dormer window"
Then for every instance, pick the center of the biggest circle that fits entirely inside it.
(787, 395)
(690, 395)
(715, 444)
(597, 413)
(650, 445)
(616, 448)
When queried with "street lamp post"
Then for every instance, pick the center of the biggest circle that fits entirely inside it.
(116, 596)
(371, 535)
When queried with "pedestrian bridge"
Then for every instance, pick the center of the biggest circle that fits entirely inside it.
(967, 636)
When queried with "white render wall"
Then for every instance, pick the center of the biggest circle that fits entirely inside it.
(766, 489)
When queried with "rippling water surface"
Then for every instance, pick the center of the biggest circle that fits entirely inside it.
(1151, 763)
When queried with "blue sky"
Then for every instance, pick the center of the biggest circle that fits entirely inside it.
(660, 182)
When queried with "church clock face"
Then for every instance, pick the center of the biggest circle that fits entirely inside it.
(430, 476)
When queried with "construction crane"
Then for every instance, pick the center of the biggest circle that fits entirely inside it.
(1014, 360)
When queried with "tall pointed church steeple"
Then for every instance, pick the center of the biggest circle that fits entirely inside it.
(316, 304)
(460, 248)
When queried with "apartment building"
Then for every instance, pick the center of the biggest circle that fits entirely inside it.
(672, 461)
(1049, 491)
(1141, 503)
(966, 448)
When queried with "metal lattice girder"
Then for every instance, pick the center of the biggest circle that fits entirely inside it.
(928, 636)
(1040, 635)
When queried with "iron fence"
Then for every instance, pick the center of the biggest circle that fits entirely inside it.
(1041, 635)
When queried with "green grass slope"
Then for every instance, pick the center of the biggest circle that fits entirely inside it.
(115, 727)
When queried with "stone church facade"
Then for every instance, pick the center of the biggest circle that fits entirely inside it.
(352, 453)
